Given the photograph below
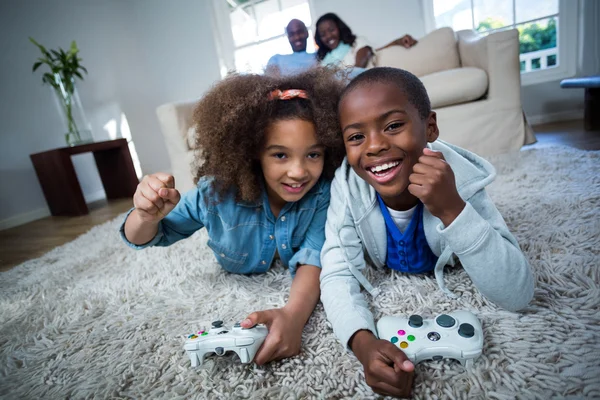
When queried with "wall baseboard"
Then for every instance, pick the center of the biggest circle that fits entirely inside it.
(24, 218)
(567, 115)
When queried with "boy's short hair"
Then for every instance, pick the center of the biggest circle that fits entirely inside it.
(411, 85)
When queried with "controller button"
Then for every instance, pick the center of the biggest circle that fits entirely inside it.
(200, 332)
(445, 321)
(204, 334)
(433, 336)
(217, 324)
(401, 332)
(466, 330)
(394, 340)
(416, 321)
(410, 338)
(220, 351)
(222, 332)
(437, 358)
(192, 336)
(237, 325)
(244, 341)
(403, 345)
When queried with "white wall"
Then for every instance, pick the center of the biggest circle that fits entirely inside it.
(139, 54)
(380, 21)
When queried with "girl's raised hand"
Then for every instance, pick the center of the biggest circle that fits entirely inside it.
(285, 334)
(432, 181)
(155, 197)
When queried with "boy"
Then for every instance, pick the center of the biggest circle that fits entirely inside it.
(411, 201)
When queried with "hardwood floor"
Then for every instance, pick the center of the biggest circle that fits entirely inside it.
(566, 133)
(34, 239)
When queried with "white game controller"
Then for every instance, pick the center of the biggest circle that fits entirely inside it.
(457, 335)
(243, 341)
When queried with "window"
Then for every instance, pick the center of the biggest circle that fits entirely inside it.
(258, 29)
(545, 26)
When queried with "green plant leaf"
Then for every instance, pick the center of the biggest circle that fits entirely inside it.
(36, 66)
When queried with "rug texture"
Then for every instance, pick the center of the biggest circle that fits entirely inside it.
(95, 319)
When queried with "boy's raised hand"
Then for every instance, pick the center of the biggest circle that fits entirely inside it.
(387, 369)
(155, 197)
(285, 334)
(432, 181)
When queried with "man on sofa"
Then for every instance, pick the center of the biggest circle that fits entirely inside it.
(299, 60)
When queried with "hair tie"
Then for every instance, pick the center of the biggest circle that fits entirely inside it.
(287, 94)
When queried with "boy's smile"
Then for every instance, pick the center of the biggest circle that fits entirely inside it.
(384, 138)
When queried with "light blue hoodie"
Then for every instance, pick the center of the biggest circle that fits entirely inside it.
(478, 237)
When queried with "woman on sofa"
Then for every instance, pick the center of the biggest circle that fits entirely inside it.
(338, 45)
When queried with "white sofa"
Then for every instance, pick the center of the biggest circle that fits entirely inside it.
(473, 82)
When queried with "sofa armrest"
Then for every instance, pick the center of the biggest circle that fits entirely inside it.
(176, 121)
(497, 54)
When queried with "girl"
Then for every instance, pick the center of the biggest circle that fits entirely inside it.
(269, 147)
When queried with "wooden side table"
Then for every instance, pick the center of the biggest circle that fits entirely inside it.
(59, 182)
(591, 112)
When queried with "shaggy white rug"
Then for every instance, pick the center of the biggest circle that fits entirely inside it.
(94, 319)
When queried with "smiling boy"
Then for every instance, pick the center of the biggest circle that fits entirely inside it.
(413, 203)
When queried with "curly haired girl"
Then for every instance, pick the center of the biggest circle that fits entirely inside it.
(269, 148)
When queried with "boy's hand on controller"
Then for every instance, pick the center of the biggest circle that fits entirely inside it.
(432, 181)
(285, 334)
(155, 197)
(387, 369)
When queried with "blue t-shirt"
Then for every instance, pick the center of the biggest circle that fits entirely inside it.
(245, 235)
(290, 64)
(407, 251)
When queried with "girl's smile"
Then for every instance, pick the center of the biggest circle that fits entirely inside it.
(291, 160)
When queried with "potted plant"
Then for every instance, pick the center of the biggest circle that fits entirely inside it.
(64, 68)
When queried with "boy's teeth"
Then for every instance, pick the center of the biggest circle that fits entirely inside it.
(295, 185)
(382, 167)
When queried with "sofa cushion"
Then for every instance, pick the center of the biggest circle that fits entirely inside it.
(454, 86)
(437, 51)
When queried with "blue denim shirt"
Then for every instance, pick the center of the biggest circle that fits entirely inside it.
(244, 235)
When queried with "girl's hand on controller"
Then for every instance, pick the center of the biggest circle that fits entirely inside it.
(155, 197)
(285, 334)
(387, 369)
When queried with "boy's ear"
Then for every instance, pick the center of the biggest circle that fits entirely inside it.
(432, 129)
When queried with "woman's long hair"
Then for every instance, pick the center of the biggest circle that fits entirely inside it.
(346, 34)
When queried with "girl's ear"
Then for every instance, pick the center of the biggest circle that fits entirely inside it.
(432, 130)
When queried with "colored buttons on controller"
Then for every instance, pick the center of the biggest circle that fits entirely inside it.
(410, 338)
(394, 340)
(217, 324)
(433, 336)
(403, 345)
(445, 321)
(416, 321)
(401, 332)
(204, 334)
(466, 330)
(192, 336)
